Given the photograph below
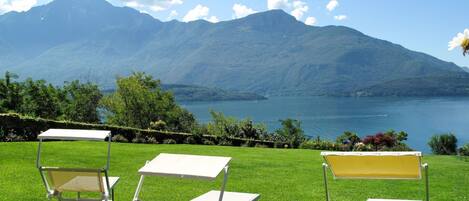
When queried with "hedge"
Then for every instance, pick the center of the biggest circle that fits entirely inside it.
(15, 127)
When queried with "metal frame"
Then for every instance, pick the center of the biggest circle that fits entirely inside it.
(222, 190)
(424, 166)
(51, 193)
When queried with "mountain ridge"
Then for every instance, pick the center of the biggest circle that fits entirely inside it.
(269, 53)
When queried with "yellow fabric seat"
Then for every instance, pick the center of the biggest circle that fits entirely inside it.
(374, 165)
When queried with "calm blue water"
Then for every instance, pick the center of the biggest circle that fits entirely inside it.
(330, 116)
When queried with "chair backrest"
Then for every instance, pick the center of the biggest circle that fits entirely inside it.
(74, 180)
(374, 165)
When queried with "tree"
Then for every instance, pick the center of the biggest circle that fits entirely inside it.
(41, 99)
(139, 100)
(10, 93)
(292, 132)
(81, 102)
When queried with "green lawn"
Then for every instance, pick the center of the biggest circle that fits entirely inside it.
(276, 174)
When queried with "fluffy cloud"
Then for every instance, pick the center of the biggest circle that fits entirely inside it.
(199, 12)
(278, 4)
(152, 5)
(332, 5)
(310, 21)
(212, 19)
(242, 11)
(340, 17)
(299, 8)
(16, 5)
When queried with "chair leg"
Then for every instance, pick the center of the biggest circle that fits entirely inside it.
(324, 169)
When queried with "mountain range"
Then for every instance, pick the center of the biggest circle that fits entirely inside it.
(270, 53)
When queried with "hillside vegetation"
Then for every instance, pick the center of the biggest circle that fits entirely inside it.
(269, 53)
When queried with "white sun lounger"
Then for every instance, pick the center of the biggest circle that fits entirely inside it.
(58, 180)
(375, 165)
(193, 167)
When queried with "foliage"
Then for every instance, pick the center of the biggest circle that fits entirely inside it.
(139, 100)
(41, 99)
(10, 93)
(348, 140)
(73, 102)
(222, 125)
(444, 144)
(14, 127)
(386, 141)
(292, 132)
(464, 150)
(82, 101)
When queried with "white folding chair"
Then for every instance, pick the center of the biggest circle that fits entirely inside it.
(58, 180)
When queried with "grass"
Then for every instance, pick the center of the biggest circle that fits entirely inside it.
(276, 174)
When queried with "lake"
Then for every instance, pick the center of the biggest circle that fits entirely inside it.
(328, 117)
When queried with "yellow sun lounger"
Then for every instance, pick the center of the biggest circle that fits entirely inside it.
(375, 165)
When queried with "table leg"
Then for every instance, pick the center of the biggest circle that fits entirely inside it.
(139, 187)
(225, 178)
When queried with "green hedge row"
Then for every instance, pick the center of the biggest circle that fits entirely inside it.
(14, 127)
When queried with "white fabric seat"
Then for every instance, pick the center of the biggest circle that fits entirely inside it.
(112, 181)
(227, 196)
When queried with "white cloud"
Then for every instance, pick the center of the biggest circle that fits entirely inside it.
(242, 11)
(340, 17)
(278, 4)
(310, 21)
(299, 8)
(16, 5)
(199, 12)
(212, 19)
(152, 5)
(172, 15)
(332, 5)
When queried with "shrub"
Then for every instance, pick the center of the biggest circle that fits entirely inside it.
(225, 142)
(152, 140)
(119, 138)
(259, 145)
(348, 138)
(444, 144)
(320, 145)
(139, 139)
(208, 142)
(169, 141)
(291, 131)
(190, 140)
(464, 150)
(158, 125)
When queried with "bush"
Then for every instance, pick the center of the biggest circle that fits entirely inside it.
(119, 138)
(444, 144)
(225, 142)
(190, 140)
(464, 150)
(208, 142)
(139, 139)
(258, 145)
(320, 145)
(169, 141)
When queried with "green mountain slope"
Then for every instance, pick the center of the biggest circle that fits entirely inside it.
(269, 53)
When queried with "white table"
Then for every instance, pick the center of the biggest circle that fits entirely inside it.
(192, 166)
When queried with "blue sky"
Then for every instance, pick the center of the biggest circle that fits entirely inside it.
(421, 25)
